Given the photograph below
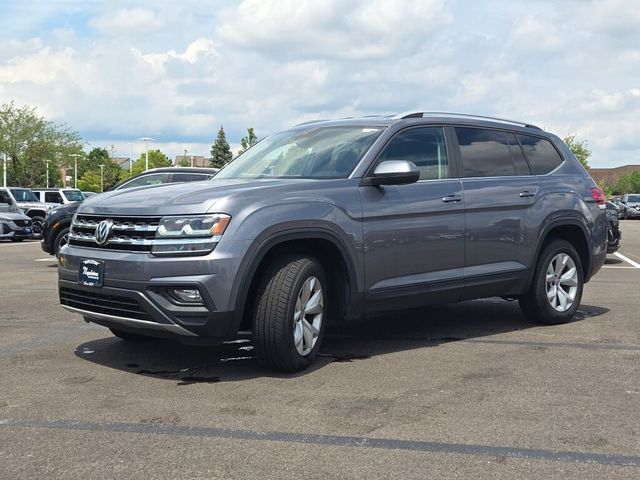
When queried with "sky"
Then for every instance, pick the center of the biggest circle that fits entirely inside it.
(176, 71)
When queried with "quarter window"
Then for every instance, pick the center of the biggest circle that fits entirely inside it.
(423, 146)
(541, 154)
(189, 177)
(53, 197)
(485, 153)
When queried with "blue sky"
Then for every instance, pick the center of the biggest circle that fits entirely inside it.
(116, 71)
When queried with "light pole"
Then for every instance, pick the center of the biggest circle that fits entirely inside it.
(146, 140)
(47, 173)
(4, 169)
(75, 168)
(101, 177)
(130, 157)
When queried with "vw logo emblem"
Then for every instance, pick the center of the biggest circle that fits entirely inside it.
(103, 231)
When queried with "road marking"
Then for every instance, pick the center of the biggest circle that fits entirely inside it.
(626, 259)
(330, 440)
(611, 266)
(53, 259)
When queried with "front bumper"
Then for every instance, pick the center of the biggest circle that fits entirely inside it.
(134, 295)
(632, 212)
(11, 230)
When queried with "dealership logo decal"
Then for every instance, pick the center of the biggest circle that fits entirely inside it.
(103, 231)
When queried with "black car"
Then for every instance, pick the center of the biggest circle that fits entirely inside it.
(55, 230)
(613, 228)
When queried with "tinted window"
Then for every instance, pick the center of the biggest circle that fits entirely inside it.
(189, 177)
(52, 197)
(5, 198)
(542, 156)
(485, 153)
(423, 146)
(154, 179)
(519, 162)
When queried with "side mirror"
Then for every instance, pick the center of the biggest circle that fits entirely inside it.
(393, 172)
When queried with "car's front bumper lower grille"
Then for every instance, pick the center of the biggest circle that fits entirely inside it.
(98, 302)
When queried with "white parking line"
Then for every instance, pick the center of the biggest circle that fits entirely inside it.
(628, 260)
(50, 259)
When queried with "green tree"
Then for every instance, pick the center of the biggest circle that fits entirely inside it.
(29, 141)
(628, 184)
(90, 181)
(220, 150)
(605, 187)
(249, 141)
(579, 149)
(157, 159)
(100, 156)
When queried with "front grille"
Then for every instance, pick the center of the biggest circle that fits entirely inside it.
(133, 234)
(22, 223)
(97, 302)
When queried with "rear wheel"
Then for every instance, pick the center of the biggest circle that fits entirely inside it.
(288, 319)
(556, 290)
(131, 337)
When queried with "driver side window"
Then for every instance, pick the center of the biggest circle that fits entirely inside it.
(424, 146)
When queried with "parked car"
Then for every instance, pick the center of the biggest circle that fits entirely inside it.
(619, 206)
(334, 220)
(30, 205)
(58, 196)
(56, 227)
(631, 205)
(614, 235)
(14, 225)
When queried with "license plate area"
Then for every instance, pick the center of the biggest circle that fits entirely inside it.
(91, 273)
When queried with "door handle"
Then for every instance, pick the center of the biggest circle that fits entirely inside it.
(527, 194)
(452, 198)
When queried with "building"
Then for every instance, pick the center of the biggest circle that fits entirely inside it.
(611, 175)
(198, 160)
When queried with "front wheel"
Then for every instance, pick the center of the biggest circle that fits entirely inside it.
(36, 226)
(289, 314)
(61, 240)
(556, 289)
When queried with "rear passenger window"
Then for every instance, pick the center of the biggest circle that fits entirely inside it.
(485, 153)
(423, 146)
(541, 154)
(53, 197)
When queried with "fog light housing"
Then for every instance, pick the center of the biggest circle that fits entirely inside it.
(186, 295)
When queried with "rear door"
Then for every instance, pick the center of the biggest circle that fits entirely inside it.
(499, 192)
(414, 234)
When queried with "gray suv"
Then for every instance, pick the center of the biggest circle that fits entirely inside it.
(333, 220)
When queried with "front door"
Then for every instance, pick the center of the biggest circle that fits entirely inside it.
(414, 234)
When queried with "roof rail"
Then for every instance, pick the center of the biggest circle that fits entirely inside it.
(406, 115)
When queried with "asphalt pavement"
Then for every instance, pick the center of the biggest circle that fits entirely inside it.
(471, 390)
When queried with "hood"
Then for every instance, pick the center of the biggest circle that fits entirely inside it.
(179, 198)
(41, 206)
(13, 216)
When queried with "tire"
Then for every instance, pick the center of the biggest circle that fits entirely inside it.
(60, 241)
(285, 337)
(535, 304)
(36, 226)
(130, 337)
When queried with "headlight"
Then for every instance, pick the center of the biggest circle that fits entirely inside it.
(193, 234)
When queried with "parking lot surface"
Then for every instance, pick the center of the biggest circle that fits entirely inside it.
(471, 390)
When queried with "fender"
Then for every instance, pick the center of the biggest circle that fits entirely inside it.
(259, 249)
(558, 219)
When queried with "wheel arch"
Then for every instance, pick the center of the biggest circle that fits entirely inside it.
(324, 245)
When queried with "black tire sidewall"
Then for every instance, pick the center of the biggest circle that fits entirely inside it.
(312, 268)
(552, 315)
(34, 219)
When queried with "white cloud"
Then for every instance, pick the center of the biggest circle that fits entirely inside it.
(127, 20)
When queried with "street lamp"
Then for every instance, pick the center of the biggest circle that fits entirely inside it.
(75, 168)
(4, 169)
(47, 173)
(147, 140)
(101, 177)
(130, 157)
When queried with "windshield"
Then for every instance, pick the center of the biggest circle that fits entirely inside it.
(633, 198)
(24, 195)
(73, 195)
(316, 152)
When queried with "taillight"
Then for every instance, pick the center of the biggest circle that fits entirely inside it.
(599, 196)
